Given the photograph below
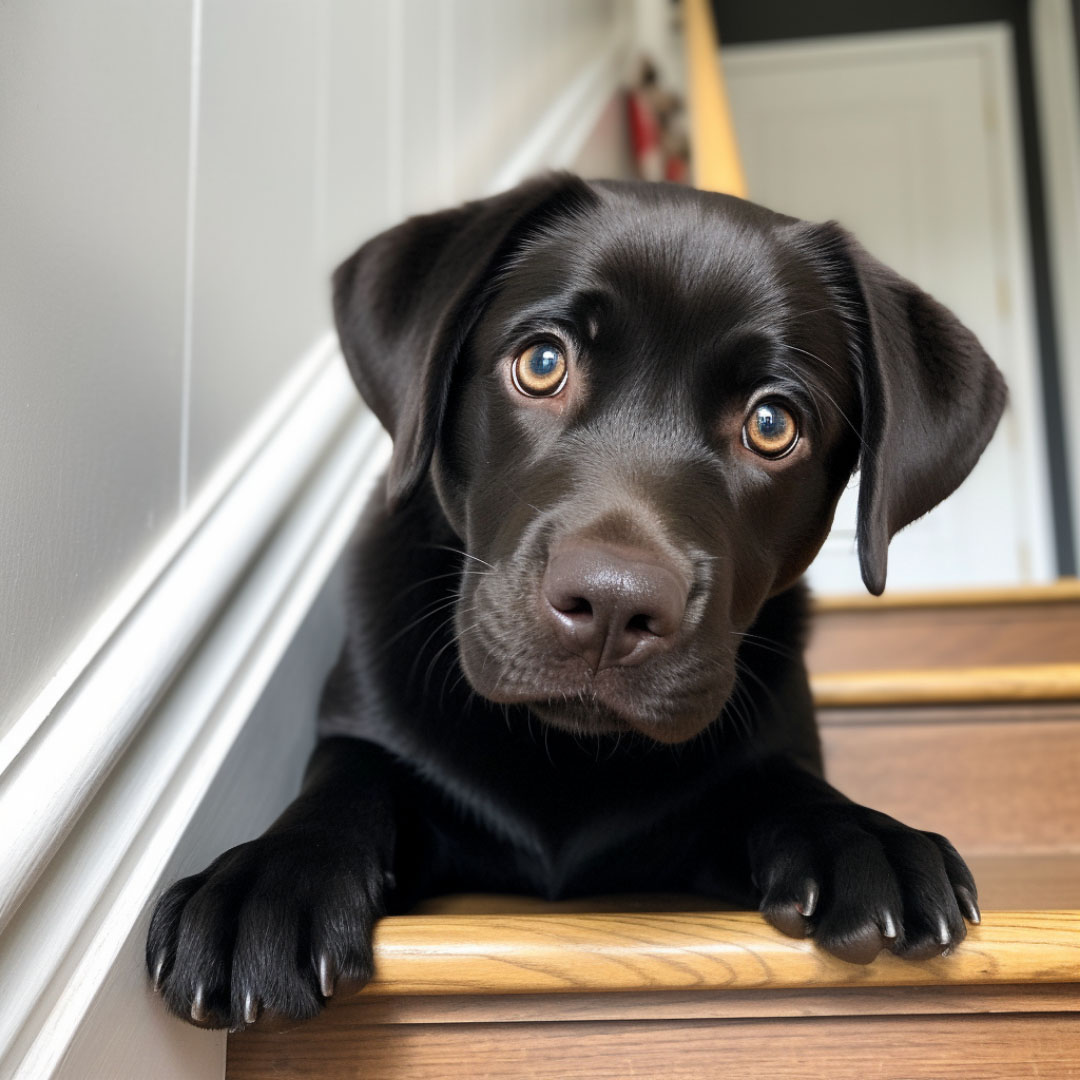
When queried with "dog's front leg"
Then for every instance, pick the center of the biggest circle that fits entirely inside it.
(274, 923)
(854, 879)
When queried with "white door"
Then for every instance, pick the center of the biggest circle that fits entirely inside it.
(910, 141)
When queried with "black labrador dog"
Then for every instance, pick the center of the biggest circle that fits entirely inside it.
(622, 414)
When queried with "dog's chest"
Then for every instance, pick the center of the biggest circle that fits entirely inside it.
(554, 833)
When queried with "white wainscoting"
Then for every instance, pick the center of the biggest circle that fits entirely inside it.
(167, 711)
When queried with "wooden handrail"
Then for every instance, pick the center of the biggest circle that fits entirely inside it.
(567, 953)
(937, 686)
(714, 152)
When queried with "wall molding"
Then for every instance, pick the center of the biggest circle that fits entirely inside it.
(183, 670)
(51, 777)
(62, 686)
(121, 849)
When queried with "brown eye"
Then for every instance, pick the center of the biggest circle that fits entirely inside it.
(540, 371)
(770, 430)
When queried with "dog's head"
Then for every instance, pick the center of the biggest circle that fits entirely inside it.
(638, 405)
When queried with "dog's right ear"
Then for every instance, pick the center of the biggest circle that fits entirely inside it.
(405, 303)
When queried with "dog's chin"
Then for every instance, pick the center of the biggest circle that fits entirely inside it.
(585, 716)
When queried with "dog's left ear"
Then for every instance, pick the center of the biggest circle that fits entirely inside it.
(405, 303)
(931, 398)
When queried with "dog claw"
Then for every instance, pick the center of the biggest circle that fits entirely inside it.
(159, 973)
(251, 1008)
(888, 927)
(199, 1011)
(968, 905)
(808, 905)
(944, 938)
(326, 975)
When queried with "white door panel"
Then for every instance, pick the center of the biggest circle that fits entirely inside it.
(909, 140)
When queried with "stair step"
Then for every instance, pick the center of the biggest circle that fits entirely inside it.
(994, 779)
(957, 713)
(923, 1047)
(605, 952)
(934, 686)
(475, 986)
(974, 628)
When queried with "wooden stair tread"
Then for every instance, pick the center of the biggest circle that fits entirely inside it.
(962, 685)
(708, 950)
(1006, 882)
(481, 944)
(1064, 590)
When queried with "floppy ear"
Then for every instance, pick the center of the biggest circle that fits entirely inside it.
(405, 303)
(931, 399)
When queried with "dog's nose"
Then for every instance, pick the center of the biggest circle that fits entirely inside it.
(612, 606)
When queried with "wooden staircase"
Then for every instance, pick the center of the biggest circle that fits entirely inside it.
(959, 713)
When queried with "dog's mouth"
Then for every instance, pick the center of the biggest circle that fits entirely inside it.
(662, 701)
(585, 715)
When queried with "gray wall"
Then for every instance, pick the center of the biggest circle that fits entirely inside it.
(178, 179)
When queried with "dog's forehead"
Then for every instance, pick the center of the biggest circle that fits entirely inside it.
(670, 254)
(700, 238)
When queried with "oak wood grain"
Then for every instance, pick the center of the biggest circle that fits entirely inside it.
(1064, 590)
(1012, 682)
(1018, 882)
(563, 953)
(350, 1010)
(887, 1048)
(967, 713)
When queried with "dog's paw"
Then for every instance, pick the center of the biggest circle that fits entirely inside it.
(274, 924)
(858, 881)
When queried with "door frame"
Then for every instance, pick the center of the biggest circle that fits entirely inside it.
(1056, 72)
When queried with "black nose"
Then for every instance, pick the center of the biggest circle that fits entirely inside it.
(612, 605)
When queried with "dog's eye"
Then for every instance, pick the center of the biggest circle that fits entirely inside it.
(540, 371)
(770, 430)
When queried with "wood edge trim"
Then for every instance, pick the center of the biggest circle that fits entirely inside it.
(936, 686)
(854, 1002)
(1063, 590)
(566, 953)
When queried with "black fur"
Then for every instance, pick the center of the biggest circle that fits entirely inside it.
(462, 748)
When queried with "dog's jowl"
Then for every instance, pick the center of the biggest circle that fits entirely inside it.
(622, 417)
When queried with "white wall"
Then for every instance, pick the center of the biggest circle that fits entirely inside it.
(181, 455)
